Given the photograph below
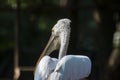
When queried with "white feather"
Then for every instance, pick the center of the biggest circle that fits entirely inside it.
(72, 67)
(45, 68)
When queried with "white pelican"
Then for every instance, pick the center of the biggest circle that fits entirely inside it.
(66, 67)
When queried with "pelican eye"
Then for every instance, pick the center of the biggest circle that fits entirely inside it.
(52, 30)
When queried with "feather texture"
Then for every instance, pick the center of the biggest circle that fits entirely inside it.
(72, 67)
(45, 68)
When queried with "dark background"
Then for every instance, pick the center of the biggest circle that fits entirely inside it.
(25, 27)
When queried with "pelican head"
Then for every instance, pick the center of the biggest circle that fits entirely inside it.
(62, 26)
(59, 38)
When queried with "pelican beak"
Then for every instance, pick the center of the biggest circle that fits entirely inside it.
(48, 48)
(46, 51)
(53, 44)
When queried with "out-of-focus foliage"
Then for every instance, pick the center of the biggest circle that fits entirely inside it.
(7, 21)
(27, 3)
(32, 25)
(3, 3)
(33, 29)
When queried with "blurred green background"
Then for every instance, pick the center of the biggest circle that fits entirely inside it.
(92, 28)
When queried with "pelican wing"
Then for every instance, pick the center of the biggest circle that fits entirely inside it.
(72, 68)
(45, 68)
